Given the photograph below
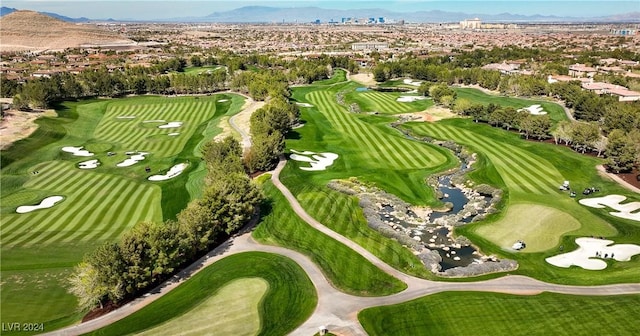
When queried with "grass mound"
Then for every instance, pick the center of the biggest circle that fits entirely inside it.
(235, 307)
(288, 301)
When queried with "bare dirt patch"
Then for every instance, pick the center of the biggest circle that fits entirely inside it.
(363, 78)
(434, 113)
(240, 122)
(16, 125)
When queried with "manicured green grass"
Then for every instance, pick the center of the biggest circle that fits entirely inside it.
(541, 227)
(343, 267)
(235, 308)
(476, 313)
(339, 76)
(381, 149)
(555, 111)
(530, 174)
(289, 300)
(99, 204)
(371, 151)
(202, 69)
(386, 103)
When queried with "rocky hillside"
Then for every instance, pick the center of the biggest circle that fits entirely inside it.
(28, 30)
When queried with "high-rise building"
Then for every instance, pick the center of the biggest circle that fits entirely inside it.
(471, 24)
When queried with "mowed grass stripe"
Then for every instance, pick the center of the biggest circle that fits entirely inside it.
(545, 176)
(342, 122)
(520, 169)
(142, 212)
(77, 222)
(401, 152)
(386, 102)
(521, 177)
(514, 176)
(120, 193)
(105, 226)
(74, 206)
(131, 135)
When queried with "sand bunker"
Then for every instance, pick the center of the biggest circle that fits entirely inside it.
(625, 211)
(132, 160)
(172, 124)
(125, 117)
(173, 172)
(591, 251)
(173, 134)
(410, 81)
(534, 110)
(155, 121)
(223, 100)
(45, 204)
(77, 151)
(304, 104)
(318, 161)
(91, 164)
(409, 99)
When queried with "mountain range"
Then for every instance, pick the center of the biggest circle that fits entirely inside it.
(263, 14)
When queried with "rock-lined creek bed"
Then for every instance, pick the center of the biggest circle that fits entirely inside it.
(429, 232)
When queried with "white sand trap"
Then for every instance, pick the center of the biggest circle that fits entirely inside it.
(591, 251)
(125, 117)
(172, 124)
(173, 134)
(223, 100)
(534, 110)
(91, 164)
(173, 172)
(410, 81)
(77, 151)
(45, 204)
(409, 99)
(318, 161)
(304, 104)
(132, 160)
(155, 121)
(613, 201)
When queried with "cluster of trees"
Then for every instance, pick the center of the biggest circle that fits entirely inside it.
(259, 76)
(151, 252)
(269, 125)
(531, 126)
(621, 146)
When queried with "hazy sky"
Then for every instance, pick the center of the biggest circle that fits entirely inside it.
(152, 9)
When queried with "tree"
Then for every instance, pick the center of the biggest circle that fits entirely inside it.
(600, 145)
(195, 61)
(563, 132)
(584, 134)
(86, 285)
(621, 151)
(461, 105)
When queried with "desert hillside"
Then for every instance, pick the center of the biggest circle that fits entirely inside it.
(28, 30)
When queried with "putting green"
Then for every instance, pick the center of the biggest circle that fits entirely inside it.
(539, 226)
(235, 308)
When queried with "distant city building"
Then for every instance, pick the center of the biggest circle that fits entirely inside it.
(369, 46)
(317, 21)
(471, 24)
(381, 20)
(624, 32)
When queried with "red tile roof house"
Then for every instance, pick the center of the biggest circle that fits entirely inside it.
(624, 94)
(581, 70)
